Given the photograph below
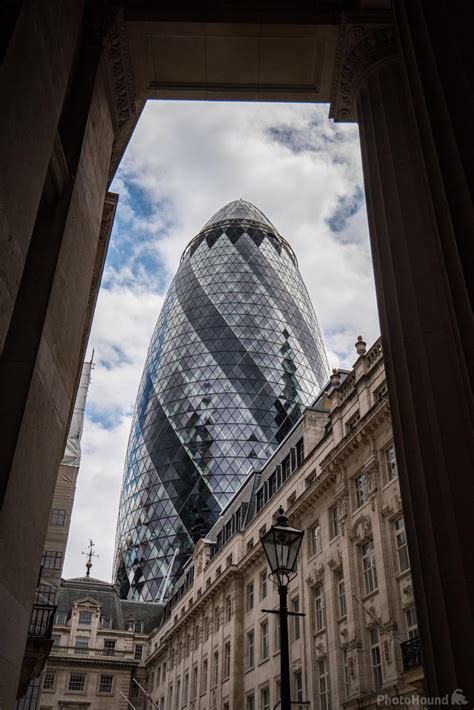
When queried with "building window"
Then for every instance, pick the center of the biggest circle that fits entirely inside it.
(286, 468)
(138, 627)
(391, 463)
(380, 392)
(323, 686)
(411, 622)
(298, 684)
(85, 618)
(361, 489)
(249, 597)
(345, 668)
(250, 649)
(81, 644)
(265, 699)
(138, 651)
(401, 542)
(260, 499)
(369, 570)
(52, 559)
(58, 516)
(227, 660)
(295, 608)
(194, 683)
(184, 699)
(263, 584)
(272, 485)
(375, 657)
(105, 684)
(300, 452)
(228, 609)
(340, 592)
(77, 682)
(333, 523)
(49, 680)
(319, 612)
(250, 702)
(215, 669)
(61, 618)
(264, 649)
(315, 538)
(177, 699)
(56, 639)
(106, 622)
(352, 423)
(277, 633)
(109, 645)
(203, 676)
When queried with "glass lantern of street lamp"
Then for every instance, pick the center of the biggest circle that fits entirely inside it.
(281, 545)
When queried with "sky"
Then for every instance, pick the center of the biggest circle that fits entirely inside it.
(185, 161)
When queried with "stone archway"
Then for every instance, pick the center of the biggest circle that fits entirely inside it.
(74, 77)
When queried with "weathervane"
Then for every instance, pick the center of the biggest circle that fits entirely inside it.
(90, 554)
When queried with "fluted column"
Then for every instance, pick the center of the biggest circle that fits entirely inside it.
(427, 336)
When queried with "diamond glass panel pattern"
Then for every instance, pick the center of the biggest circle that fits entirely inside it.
(235, 356)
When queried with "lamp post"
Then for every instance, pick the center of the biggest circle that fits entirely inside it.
(281, 545)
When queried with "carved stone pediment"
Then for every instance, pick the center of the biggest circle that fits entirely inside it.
(315, 575)
(361, 529)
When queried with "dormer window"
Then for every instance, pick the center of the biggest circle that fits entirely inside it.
(85, 618)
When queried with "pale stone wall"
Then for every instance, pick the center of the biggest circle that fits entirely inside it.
(215, 609)
(122, 663)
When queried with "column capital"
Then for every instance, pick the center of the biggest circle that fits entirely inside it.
(365, 40)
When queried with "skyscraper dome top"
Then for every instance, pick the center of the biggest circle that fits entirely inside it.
(235, 219)
(239, 209)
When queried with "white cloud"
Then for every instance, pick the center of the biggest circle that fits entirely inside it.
(184, 162)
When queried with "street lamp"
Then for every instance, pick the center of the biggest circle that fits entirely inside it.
(281, 545)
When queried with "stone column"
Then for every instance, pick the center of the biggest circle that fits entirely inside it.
(418, 216)
(64, 227)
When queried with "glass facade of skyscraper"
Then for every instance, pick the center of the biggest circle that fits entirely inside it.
(235, 356)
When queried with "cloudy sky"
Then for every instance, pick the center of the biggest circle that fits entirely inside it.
(184, 162)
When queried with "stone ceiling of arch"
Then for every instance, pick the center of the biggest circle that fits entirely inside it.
(232, 61)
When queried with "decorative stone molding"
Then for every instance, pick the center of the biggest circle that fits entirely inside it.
(361, 46)
(335, 561)
(119, 73)
(321, 650)
(361, 529)
(316, 575)
(392, 511)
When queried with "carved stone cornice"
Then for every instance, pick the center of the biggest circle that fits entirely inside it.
(364, 41)
(119, 73)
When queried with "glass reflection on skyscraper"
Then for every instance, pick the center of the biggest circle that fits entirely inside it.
(235, 356)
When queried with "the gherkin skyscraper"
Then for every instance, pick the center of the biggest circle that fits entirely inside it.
(235, 356)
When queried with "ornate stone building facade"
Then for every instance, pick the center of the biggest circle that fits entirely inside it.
(100, 647)
(336, 476)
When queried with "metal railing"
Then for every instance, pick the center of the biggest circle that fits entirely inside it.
(411, 654)
(41, 622)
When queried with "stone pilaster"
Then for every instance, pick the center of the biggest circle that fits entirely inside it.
(426, 332)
